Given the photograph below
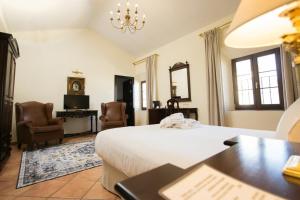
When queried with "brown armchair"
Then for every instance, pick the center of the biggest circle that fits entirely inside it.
(113, 115)
(35, 124)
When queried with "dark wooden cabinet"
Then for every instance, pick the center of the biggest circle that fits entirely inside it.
(8, 53)
(156, 115)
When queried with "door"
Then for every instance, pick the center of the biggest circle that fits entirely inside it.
(124, 93)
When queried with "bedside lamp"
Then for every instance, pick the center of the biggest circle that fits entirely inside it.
(259, 23)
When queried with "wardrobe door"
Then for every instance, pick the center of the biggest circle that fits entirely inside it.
(7, 103)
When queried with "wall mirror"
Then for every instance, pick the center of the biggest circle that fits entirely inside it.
(180, 86)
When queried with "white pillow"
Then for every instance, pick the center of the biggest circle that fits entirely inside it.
(288, 120)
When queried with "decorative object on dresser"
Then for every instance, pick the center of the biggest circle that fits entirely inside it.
(156, 104)
(35, 124)
(57, 161)
(9, 52)
(180, 86)
(113, 115)
(76, 85)
(156, 115)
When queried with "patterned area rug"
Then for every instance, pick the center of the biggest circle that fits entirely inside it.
(49, 163)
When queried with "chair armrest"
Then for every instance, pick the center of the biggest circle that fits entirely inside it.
(56, 121)
(24, 128)
(103, 118)
(24, 123)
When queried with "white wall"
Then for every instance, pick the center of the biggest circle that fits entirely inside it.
(49, 57)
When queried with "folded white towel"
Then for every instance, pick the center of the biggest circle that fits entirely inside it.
(177, 120)
(171, 120)
(188, 124)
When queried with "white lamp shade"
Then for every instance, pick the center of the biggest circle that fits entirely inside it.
(257, 23)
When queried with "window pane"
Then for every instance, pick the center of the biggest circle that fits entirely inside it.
(275, 96)
(244, 82)
(268, 80)
(266, 63)
(265, 96)
(243, 67)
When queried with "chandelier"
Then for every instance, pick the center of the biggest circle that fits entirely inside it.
(129, 19)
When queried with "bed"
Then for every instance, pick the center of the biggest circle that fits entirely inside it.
(129, 151)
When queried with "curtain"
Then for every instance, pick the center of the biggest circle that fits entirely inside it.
(288, 78)
(151, 80)
(214, 77)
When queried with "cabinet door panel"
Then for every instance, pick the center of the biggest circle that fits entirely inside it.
(7, 76)
(12, 77)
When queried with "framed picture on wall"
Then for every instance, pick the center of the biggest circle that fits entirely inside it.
(76, 86)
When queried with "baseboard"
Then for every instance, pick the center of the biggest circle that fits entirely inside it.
(68, 135)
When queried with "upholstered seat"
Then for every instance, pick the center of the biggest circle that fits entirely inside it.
(35, 124)
(46, 129)
(113, 115)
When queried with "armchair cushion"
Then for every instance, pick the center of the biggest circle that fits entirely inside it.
(113, 112)
(36, 113)
(114, 123)
(46, 129)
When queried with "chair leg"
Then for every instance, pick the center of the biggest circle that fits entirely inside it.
(60, 141)
(19, 145)
(30, 147)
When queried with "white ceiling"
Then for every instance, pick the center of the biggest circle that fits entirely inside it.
(167, 20)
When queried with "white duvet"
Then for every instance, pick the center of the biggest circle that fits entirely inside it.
(134, 150)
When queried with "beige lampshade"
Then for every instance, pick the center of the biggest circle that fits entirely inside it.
(257, 23)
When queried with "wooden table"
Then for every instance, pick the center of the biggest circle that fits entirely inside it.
(255, 161)
(80, 114)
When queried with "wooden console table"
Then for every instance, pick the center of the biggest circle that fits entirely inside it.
(80, 114)
(156, 115)
(255, 161)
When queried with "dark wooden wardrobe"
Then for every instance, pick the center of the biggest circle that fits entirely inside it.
(9, 51)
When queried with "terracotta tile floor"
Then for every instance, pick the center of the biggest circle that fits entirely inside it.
(81, 185)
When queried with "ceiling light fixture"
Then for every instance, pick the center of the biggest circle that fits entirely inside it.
(127, 20)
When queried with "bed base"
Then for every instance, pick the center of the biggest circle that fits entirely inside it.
(111, 176)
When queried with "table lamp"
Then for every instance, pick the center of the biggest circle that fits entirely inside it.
(259, 23)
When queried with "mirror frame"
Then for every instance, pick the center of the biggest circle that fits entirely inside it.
(176, 67)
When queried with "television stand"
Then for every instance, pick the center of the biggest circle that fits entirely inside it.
(80, 114)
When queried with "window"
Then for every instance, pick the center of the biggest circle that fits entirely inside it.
(257, 81)
(143, 95)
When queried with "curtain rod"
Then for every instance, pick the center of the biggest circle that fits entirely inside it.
(142, 60)
(219, 27)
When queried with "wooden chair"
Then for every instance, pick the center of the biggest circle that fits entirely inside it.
(172, 106)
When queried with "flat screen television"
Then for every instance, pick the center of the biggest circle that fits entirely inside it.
(76, 102)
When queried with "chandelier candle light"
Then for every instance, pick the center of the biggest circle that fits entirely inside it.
(128, 20)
